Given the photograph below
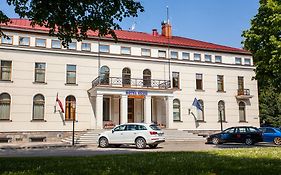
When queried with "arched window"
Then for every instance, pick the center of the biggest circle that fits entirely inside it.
(242, 111)
(5, 103)
(147, 78)
(176, 110)
(104, 75)
(126, 77)
(200, 116)
(221, 111)
(38, 107)
(70, 106)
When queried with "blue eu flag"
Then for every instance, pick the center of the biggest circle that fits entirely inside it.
(197, 104)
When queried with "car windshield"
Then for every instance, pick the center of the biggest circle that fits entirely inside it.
(278, 129)
(154, 127)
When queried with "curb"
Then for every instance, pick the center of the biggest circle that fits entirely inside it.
(12, 147)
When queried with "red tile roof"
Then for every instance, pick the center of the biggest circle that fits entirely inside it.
(133, 36)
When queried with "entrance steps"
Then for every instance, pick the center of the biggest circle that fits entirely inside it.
(90, 137)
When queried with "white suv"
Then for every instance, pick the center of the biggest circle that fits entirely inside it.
(139, 134)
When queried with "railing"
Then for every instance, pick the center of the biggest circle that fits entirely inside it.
(243, 92)
(131, 82)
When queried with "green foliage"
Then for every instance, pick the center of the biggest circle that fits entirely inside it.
(68, 19)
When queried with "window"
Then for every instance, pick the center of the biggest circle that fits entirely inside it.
(24, 41)
(5, 103)
(147, 78)
(200, 116)
(218, 59)
(104, 75)
(145, 52)
(208, 58)
(185, 56)
(199, 81)
(220, 83)
(56, 44)
(197, 57)
(72, 46)
(38, 107)
(120, 128)
(242, 112)
(86, 47)
(6, 70)
(40, 72)
(104, 48)
(238, 60)
(174, 55)
(126, 77)
(176, 110)
(126, 50)
(70, 74)
(176, 76)
(70, 107)
(247, 61)
(40, 42)
(240, 85)
(161, 53)
(221, 111)
(6, 40)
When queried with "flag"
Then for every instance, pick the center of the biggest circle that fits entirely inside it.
(59, 102)
(197, 104)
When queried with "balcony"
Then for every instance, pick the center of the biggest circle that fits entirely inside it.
(131, 83)
(243, 94)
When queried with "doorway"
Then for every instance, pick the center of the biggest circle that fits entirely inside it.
(131, 110)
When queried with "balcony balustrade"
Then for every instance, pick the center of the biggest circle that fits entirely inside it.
(243, 94)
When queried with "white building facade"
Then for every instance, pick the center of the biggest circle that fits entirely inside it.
(143, 78)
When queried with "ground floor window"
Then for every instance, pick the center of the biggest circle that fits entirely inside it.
(242, 112)
(200, 116)
(5, 103)
(70, 106)
(38, 107)
(176, 110)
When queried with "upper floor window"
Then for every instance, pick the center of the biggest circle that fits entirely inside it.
(126, 76)
(145, 52)
(208, 58)
(70, 74)
(5, 103)
(40, 42)
(247, 61)
(40, 72)
(6, 70)
(126, 50)
(199, 81)
(7, 40)
(86, 47)
(147, 78)
(104, 75)
(218, 59)
(197, 57)
(24, 41)
(104, 48)
(238, 60)
(185, 56)
(56, 44)
(174, 55)
(161, 53)
(220, 83)
(176, 80)
(38, 107)
(72, 46)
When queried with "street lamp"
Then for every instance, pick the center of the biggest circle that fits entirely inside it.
(221, 108)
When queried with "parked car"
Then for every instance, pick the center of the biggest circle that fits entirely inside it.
(139, 134)
(271, 134)
(240, 134)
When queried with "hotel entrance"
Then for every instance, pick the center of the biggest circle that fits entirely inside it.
(135, 109)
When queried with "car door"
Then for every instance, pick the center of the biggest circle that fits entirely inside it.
(130, 134)
(117, 135)
(227, 135)
(269, 135)
(238, 136)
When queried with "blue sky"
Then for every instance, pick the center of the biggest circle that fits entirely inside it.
(216, 21)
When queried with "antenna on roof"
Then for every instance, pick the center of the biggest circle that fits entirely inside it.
(168, 20)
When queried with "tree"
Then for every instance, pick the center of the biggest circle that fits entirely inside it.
(71, 19)
(263, 39)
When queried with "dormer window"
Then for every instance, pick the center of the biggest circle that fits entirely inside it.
(126, 50)
(218, 59)
(24, 41)
(197, 57)
(247, 61)
(238, 60)
(162, 54)
(7, 40)
(174, 55)
(40, 42)
(208, 58)
(104, 48)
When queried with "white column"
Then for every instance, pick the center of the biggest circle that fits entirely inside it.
(147, 109)
(169, 112)
(124, 109)
(99, 111)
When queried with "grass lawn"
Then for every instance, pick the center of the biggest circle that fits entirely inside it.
(229, 161)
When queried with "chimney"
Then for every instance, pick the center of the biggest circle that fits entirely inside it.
(154, 32)
(166, 29)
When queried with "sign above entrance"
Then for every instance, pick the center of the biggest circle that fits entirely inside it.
(133, 92)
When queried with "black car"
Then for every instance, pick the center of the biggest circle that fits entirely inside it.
(240, 134)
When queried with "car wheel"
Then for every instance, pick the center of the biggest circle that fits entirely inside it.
(140, 143)
(103, 142)
(249, 141)
(277, 140)
(216, 141)
(153, 146)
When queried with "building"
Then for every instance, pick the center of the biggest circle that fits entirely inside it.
(144, 77)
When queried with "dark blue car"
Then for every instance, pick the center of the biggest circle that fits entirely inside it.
(271, 134)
